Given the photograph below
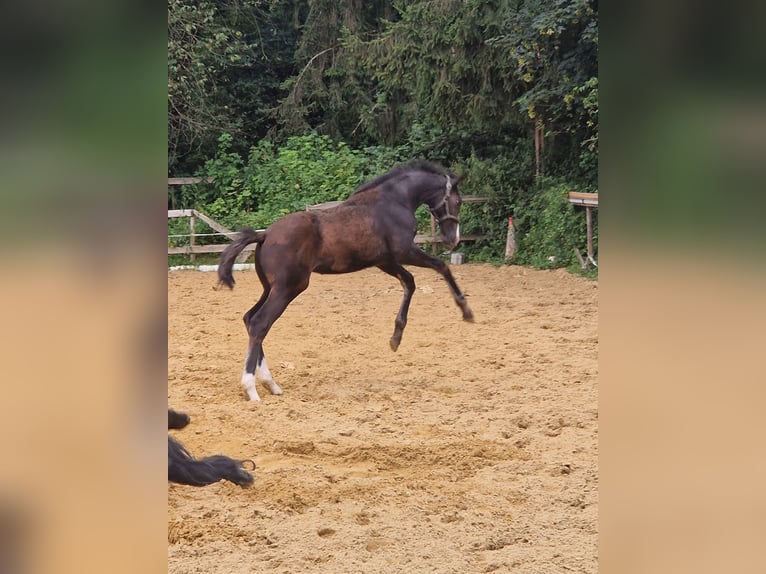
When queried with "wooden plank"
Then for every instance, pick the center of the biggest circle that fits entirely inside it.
(323, 206)
(474, 198)
(180, 213)
(510, 241)
(423, 238)
(192, 239)
(433, 233)
(581, 198)
(189, 249)
(583, 195)
(188, 180)
(583, 265)
(212, 223)
(475, 237)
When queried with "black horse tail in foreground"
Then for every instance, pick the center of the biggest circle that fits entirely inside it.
(374, 227)
(183, 468)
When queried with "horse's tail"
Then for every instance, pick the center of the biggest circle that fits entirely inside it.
(229, 255)
(177, 420)
(183, 468)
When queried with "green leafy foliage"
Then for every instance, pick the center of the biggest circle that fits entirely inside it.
(285, 103)
(273, 181)
(546, 224)
(550, 228)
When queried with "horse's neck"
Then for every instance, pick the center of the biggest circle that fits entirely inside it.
(427, 191)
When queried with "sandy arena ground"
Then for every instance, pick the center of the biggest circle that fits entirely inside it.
(471, 449)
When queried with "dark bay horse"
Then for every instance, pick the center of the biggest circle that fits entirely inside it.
(375, 226)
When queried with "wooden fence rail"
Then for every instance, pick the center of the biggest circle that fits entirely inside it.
(192, 249)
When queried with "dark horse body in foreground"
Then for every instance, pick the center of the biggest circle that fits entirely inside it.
(374, 227)
(183, 468)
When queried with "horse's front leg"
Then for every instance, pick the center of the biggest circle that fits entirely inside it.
(408, 286)
(419, 258)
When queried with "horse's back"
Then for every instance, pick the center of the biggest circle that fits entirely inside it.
(361, 232)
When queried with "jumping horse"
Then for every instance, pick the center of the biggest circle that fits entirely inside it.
(374, 227)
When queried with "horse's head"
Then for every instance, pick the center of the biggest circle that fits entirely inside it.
(447, 211)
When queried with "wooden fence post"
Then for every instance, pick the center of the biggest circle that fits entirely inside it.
(433, 234)
(510, 241)
(192, 240)
(589, 231)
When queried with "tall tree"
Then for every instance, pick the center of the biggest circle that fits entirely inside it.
(226, 62)
(329, 91)
(552, 46)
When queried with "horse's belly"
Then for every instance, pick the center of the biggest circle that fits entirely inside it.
(342, 257)
(344, 262)
(349, 242)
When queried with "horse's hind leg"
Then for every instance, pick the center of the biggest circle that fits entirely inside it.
(256, 369)
(408, 286)
(258, 326)
(254, 356)
(252, 362)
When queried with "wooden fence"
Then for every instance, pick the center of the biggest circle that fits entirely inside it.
(193, 248)
(587, 200)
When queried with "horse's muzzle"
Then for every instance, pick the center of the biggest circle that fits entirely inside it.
(452, 240)
(450, 243)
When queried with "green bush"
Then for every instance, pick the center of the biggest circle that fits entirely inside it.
(546, 224)
(274, 181)
(552, 229)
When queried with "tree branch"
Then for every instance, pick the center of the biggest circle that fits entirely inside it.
(314, 57)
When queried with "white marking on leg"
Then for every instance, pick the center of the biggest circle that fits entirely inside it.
(262, 372)
(248, 381)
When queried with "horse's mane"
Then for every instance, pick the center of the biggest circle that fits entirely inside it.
(415, 165)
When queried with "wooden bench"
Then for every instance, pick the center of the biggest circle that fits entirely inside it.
(590, 202)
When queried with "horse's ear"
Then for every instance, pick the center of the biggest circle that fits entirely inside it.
(458, 177)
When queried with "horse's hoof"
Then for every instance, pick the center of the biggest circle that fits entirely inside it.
(274, 388)
(468, 317)
(394, 344)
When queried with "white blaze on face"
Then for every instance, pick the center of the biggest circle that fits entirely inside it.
(457, 234)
